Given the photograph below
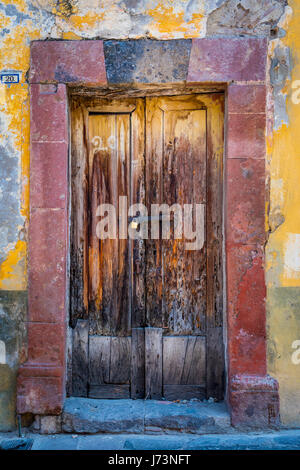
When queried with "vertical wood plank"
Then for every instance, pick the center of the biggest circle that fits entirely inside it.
(99, 359)
(138, 363)
(174, 350)
(80, 359)
(154, 156)
(109, 300)
(215, 344)
(103, 254)
(69, 348)
(138, 196)
(120, 359)
(153, 362)
(215, 363)
(184, 360)
(184, 182)
(121, 321)
(194, 369)
(79, 210)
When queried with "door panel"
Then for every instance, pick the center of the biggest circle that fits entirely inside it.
(176, 277)
(148, 320)
(109, 178)
(109, 366)
(184, 367)
(116, 171)
(176, 173)
(184, 182)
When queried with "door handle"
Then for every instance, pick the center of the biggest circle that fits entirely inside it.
(138, 219)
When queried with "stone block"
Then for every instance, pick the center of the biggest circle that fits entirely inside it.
(147, 61)
(46, 343)
(246, 294)
(227, 59)
(47, 265)
(39, 395)
(246, 136)
(50, 424)
(48, 107)
(245, 211)
(254, 402)
(246, 98)
(67, 62)
(49, 175)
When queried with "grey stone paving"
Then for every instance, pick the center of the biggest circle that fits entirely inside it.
(279, 440)
(283, 440)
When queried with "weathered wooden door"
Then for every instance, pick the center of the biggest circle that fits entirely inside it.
(146, 302)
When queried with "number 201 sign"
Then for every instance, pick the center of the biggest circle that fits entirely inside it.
(9, 78)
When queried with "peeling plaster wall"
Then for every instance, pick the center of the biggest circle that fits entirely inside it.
(25, 20)
(283, 248)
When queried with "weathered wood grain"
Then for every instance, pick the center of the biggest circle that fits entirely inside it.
(91, 94)
(154, 158)
(109, 359)
(120, 360)
(109, 391)
(80, 359)
(184, 392)
(184, 182)
(79, 210)
(99, 359)
(166, 149)
(194, 369)
(138, 197)
(153, 362)
(184, 360)
(215, 363)
(109, 161)
(214, 314)
(137, 363)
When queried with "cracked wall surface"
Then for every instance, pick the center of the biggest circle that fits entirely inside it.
(283, 248)
(25, 20)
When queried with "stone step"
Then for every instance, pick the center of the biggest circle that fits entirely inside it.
(90, 416)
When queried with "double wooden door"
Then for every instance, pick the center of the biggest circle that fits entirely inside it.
(146, 305)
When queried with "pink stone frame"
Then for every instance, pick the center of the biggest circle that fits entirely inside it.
(239, 64)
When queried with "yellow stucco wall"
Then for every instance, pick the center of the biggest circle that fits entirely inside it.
(26, 20)
(283, 248)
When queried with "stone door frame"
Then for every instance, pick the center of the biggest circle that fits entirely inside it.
(237, 65)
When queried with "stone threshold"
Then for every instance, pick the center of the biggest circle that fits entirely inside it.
(90, 416)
